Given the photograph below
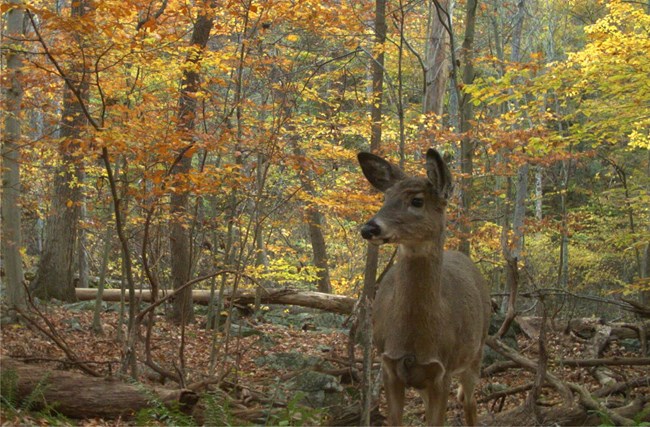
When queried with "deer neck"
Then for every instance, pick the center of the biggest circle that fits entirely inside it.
(419, 271)
(416, 305)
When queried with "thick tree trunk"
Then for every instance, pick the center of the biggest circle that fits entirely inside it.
(11, 211)
(54, 277)
(180, 248)
(180, 242)
(328, 302)
(78, 396)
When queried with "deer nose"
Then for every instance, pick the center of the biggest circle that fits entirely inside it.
(370, 229)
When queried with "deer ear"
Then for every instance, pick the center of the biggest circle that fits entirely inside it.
(379, 172)
(438, 173)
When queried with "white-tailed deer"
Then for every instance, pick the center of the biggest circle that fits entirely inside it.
(431, 311)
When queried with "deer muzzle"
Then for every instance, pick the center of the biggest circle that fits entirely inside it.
(370, 230)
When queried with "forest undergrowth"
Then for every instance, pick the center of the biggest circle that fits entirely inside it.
(251, 387)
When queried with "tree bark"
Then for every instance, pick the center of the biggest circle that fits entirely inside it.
(54, 277)
(11, 210)
(78, 396)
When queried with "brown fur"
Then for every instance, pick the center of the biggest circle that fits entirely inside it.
(431, 312)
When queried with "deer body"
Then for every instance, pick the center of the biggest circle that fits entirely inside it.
(431, 311)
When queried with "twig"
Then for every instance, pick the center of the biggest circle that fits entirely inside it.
(504, 393)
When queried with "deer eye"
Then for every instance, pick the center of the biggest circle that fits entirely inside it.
(417, 202)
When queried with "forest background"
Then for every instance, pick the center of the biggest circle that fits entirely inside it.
(152, 144)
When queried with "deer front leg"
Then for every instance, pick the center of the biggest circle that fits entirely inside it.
(394, 388)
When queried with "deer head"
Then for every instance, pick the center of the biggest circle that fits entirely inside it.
(414, 207)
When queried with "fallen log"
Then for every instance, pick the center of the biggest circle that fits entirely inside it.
(79, 396)
(327, 302)
(608, 361)
(623, 386)
(586, 328)
(565, 415)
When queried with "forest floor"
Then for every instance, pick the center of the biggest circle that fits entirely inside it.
(104, 353)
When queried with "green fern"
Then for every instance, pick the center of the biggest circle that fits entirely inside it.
(638, 418)
(159, 413)
(217, 411)
(34, 404)
(9, 388)
(297, 414)
(163, 415)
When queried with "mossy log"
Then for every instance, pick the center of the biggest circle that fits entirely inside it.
(78, 396)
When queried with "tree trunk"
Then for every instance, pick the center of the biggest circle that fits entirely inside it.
(513, 250)
(436, 73)
(563, 270)
(82, 243)
(10, 165)
(179, 238)
(378, 76)
(54, 277)
(539, 193)
(315, 221)
(519, 215)
(97, 320)
(466, 117)
(319, 249)
(180, 248)
(645, 258)
(78, 396)
(261, 257)
(364, 323)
